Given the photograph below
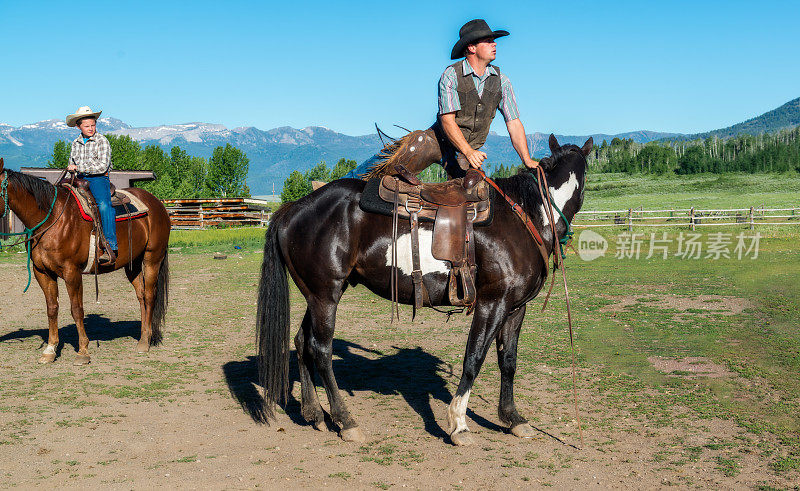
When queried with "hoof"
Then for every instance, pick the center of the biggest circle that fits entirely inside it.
(353, 434)
(523, 430)
(462, 438)
(81, 360)
(319, 425)
(142, 347)
(47, 358)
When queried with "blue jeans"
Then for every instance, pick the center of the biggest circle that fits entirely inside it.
(363, 168)
(101, 190)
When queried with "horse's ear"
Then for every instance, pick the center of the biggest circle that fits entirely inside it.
(1, 164)
(587, 147)
(554, 146)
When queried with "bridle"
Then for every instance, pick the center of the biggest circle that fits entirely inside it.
(28, 232)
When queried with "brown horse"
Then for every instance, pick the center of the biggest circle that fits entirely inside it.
(60, 249)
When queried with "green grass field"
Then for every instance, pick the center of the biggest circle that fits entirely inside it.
(735, 190)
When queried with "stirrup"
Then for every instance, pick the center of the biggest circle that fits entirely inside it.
(107, 257)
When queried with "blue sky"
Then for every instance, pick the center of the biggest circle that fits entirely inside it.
(577, 67)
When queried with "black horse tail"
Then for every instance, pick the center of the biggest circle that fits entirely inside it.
(161, 302)
(272, 319)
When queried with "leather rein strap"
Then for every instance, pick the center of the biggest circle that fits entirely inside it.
(522, 216)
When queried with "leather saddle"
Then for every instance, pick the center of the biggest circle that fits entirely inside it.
(82, 186)
(453, 206)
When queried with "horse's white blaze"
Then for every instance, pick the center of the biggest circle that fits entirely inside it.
(427, 263)
(559, 197)
(50, 350)
(457, 413)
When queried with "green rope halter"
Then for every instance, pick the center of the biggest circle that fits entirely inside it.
(28, 232)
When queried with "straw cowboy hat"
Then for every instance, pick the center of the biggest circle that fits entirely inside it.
(82, 112)
(472, 31)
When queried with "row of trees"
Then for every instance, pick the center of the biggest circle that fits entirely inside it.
(178, 174)
(778, 152)
(298, 184)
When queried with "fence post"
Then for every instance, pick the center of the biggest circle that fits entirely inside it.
(630, 220)
(691, 218)
(752, 222)
(202, 218)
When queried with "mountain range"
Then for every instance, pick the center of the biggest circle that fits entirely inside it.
(275, 153)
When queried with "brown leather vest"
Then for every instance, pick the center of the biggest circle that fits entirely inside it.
(477, 113)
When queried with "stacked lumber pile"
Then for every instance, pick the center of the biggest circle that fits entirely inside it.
(214, 212)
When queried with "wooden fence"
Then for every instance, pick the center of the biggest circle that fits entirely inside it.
(691, 217)
(203, 213)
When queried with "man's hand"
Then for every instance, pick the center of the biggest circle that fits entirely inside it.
(476, 158)
(72, 168)
(530, 163)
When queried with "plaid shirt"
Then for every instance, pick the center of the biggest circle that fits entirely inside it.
(92, 157)
(448, 97)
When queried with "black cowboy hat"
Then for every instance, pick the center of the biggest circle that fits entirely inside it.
(472, 31)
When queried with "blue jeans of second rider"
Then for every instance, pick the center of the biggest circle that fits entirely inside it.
(101, 190)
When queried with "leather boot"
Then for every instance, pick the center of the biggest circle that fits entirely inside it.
(108, 257)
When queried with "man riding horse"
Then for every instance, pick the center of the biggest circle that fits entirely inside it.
(91, 159)
(470, 93)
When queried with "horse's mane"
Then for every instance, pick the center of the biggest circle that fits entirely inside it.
(41, 190)
(522, 187)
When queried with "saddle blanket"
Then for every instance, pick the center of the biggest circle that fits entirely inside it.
(371, 202)
(135, 209)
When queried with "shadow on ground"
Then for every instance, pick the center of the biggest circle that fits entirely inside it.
(414, 374)
(98, 328)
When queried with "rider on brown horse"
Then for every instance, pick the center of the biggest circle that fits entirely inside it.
(91, 159)
(470, 92)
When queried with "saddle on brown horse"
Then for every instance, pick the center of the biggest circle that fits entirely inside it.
(81, 188)
(453, 206)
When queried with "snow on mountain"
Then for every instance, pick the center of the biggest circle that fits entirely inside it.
(165, 135)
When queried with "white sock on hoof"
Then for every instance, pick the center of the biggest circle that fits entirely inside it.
(457, 413)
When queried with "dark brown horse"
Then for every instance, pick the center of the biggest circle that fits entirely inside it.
(327, 243)
(60, 249)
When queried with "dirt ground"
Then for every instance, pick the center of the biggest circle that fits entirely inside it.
(187, 414)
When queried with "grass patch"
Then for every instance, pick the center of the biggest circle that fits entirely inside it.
(223, 240)
(786, 464)
(733, 190)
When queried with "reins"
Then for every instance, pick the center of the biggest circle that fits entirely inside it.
(28, 232)
(558, 257)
